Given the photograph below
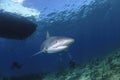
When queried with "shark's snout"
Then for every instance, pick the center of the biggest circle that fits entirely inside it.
(71, 40)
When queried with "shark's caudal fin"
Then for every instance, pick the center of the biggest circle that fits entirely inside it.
(36, 53)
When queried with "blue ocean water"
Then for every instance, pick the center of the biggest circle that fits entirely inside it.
(93, 24)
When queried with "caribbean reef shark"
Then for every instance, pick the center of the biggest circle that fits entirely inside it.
(55, 44)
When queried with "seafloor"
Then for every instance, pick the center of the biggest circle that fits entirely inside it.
(105, 68)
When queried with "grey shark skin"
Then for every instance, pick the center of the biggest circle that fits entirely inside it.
(55, 44)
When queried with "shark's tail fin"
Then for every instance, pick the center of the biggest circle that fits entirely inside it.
(36, 53)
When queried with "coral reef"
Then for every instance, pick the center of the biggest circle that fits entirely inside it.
(106, 69)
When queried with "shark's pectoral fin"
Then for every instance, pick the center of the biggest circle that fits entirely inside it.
(37, 53)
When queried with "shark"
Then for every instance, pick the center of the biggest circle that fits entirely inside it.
(55, 44)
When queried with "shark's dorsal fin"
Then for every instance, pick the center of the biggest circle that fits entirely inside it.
(47, 35)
